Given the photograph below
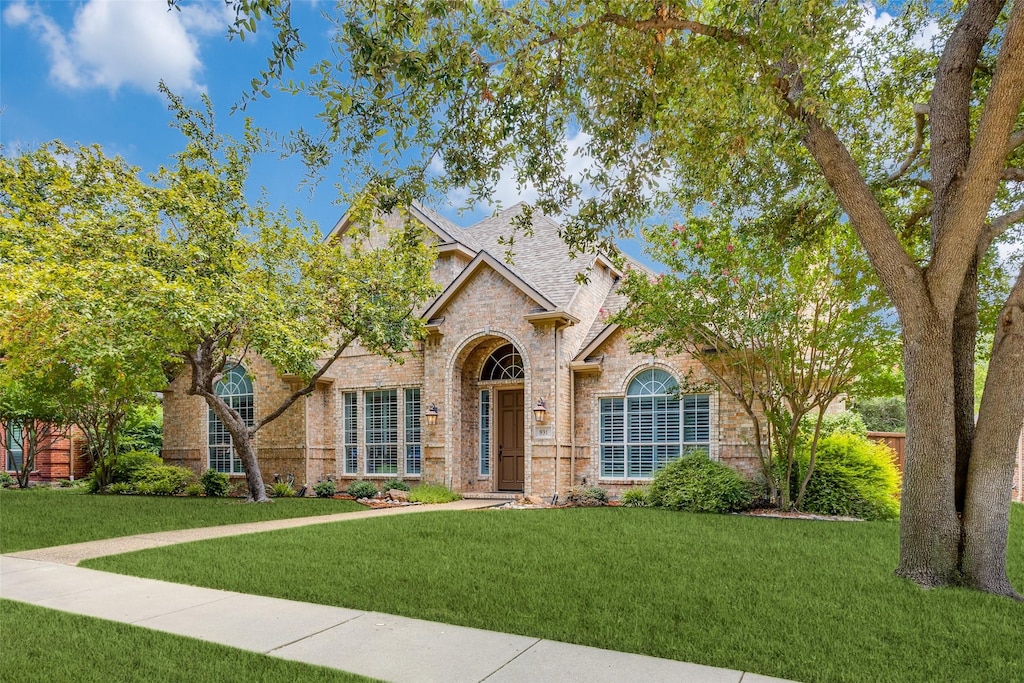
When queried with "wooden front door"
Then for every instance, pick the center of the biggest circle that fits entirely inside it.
(511, 450)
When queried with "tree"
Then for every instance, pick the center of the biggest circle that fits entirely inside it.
(748, 105)
(29, 420)
(249, 281)
(785, 337)
(79, 299)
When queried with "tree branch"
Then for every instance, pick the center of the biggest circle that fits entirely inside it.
(997, 227)
(920, 120)
(1016, 140)
(1013, 174)
(308, 389)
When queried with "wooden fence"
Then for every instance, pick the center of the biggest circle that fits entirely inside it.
(894, 440)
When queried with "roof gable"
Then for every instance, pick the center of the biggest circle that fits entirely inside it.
(482, 260)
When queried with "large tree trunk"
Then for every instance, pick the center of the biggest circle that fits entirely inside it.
(929, 527)
(990, 475)
(965, 333)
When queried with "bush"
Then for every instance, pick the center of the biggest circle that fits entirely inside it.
(194, 490)
(592, 496)
(697, 484)
(129, 463)
(888, 414)
(215, 483)
(853, 477)
(281, 489)
(394, 484)
(163, 480)
(845, 422)
(325, 488)
(121, 488)
(432, 493)
(635, 497)
(6, 480)
(65, 483)
(362, 489)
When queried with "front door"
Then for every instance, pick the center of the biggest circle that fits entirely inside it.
(511, 451)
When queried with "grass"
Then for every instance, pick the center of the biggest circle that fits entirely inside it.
(812, 601)
(432, 493)
(46, 645)
(42, 517)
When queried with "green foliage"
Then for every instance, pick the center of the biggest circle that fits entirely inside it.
(635, 497)
(128, 464)
(215, 483)
(394, 484)
(281, 489)
(162, 480)
(362, 489)
(194, 490)
(432, 493)
(588, 496)
(143, 429)
(883, 413)
(325, 488)
(852, 477)
(65, 483)
(6, 480)
(120, 488)
(696, 484)
(844, 422)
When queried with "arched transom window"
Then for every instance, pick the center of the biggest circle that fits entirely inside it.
(504, 363)
(235, 387)
(651, 426)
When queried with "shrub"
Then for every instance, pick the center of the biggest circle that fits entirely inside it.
(394, 484)
(845, 422)
(325, 488)
(65, 483)
(432, 493)
(635, 497)
(852, 477)
(131, 462)
(6, 480)
(162, 480)
(281, 489)
(888, 414)
(194, 490)
(697, 484)
(215, 483)
(592, 496)
(121, 488)
(362, 489)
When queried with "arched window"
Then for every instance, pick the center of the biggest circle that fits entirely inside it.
(504, 363)
(651, 426)
(235, 387)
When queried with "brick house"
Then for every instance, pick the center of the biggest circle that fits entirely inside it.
(54, 460)
(520, 386)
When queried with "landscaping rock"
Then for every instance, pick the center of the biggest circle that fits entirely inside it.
(399, 495)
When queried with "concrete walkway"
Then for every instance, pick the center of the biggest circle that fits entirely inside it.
(382, 646)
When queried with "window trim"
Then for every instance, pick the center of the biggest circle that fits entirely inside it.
(484, 432)
(413, 410)
(212, 420)
(392, 443)
(350, 433)
(11, 446)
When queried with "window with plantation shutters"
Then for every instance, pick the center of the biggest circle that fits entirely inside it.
(651, 426)
(485, 432)
(381, 413)
(235, 387)
(413, 447)
(351, 424)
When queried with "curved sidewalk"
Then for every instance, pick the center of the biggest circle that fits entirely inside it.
(378, 645)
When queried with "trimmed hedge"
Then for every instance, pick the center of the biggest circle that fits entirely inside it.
(853, 477)
(695, 483)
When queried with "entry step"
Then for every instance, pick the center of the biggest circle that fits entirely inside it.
(484, 495)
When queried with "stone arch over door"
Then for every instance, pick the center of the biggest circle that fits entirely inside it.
(463, 408)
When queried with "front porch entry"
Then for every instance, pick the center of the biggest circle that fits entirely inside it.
(510, 449)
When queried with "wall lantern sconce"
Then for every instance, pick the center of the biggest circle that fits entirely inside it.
(540, 410)
(430, 414)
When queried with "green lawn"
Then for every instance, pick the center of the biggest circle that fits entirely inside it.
(42, 517)
(46, 645)
(812, 601)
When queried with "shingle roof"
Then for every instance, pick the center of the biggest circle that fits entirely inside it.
(613, 303)
(541, 259)
(455, 232)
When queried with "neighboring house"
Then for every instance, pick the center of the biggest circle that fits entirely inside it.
(520, 386)
(53, 461)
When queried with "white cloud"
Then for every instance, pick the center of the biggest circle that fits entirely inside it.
(116, 43)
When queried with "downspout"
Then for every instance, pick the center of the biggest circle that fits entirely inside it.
(572, 427)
